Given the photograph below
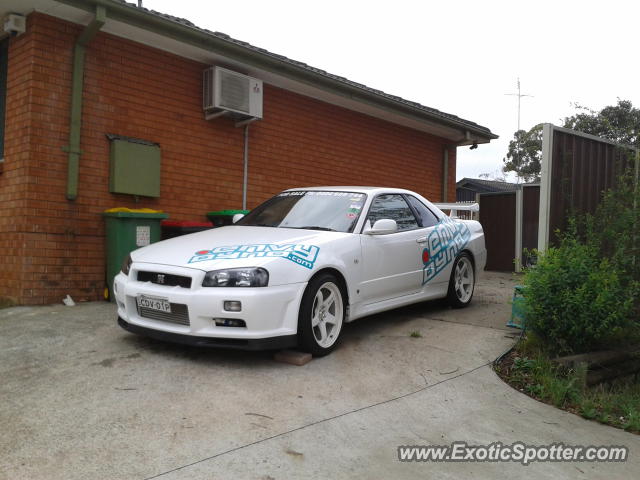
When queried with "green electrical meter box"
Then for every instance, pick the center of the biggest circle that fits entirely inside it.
(128, 230)
(134, 166)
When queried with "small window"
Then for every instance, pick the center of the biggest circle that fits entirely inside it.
(4, 57)
(427, 219)
(395, 208)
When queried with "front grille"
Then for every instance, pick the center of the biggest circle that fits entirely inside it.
(179, 314)
(165, 279)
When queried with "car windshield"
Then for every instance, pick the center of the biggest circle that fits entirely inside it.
(308, 209)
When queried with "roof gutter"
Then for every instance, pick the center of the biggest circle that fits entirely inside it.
(77, 83)
(132, 15)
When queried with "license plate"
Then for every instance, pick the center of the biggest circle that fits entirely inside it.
(154, 303)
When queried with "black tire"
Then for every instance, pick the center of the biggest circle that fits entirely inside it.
(458, 295)
(311, 308)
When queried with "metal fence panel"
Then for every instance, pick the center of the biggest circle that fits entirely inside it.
(530, 211)
(576, 169)
(498, 219)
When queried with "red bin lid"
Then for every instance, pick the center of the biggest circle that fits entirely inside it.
(185, 223)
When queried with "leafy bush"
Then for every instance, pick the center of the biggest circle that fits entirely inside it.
(614, 231)
(576, 300)
(584, 294)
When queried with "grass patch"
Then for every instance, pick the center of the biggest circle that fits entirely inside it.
(533, 373)
(415, 334)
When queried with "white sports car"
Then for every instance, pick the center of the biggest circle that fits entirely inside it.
(296, 268)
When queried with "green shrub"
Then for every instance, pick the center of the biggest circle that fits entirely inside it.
(585, 293)
(531, 344)
(575, 299)
(614, 230)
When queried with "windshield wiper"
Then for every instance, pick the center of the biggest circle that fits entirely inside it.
(316, 227)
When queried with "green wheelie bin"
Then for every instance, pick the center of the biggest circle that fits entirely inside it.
(220, 218)
(126, 230)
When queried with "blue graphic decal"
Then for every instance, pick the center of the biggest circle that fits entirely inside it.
(447, 239)
(303, 255)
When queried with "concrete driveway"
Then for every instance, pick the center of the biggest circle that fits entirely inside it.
(82, 399)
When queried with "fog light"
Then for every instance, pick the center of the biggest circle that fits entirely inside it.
(229, 322)
(232, 306)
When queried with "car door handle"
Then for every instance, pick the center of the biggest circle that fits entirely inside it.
(422, 240)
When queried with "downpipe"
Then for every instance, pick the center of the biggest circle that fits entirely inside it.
(77, 85)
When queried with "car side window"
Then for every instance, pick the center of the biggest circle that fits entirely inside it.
(394, 207)
(426, 217)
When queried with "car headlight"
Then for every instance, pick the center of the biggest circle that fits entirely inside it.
(237, 277)
(126, 265)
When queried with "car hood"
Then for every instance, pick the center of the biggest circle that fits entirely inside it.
(239, 246)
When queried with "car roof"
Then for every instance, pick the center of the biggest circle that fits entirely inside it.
(373, 191)
(351, 188)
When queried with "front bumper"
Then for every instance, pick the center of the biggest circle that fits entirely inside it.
(274, 343)
(269, 313)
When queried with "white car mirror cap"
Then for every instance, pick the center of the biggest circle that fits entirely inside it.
(383, 226)
(237, 217)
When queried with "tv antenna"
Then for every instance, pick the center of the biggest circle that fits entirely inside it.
(519, 95)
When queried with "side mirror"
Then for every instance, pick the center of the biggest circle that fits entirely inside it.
(383, 226)
(237, 217)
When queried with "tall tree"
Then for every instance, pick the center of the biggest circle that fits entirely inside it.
(619, 123)
(524, 154)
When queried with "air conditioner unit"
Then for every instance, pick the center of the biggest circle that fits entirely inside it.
(228, 92)
(14, 24)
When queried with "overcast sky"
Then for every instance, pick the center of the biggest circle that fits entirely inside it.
(460, 57)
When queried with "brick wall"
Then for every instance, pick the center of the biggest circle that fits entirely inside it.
(52, 246)
(15, 174)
